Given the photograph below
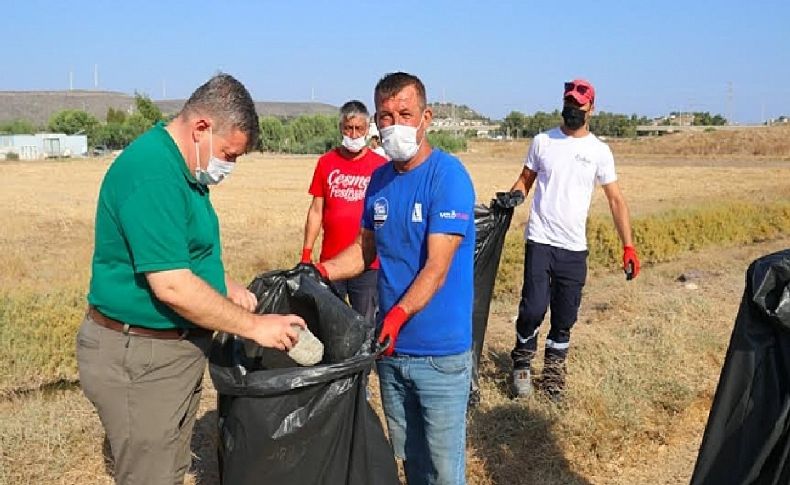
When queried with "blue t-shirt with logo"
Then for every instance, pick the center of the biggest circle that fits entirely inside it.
(403, 209)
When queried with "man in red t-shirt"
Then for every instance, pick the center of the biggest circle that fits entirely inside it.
(339, 183)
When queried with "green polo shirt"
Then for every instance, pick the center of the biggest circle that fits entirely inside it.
(152, 215)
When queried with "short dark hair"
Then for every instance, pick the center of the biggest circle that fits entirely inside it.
(229, 103)
(394, 82)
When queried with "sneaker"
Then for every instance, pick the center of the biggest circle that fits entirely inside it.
(522, 382)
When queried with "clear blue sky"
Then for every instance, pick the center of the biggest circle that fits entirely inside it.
(646, 57)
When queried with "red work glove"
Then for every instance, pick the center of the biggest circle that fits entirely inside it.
(630, 262)
(307, 255)
(391, 326)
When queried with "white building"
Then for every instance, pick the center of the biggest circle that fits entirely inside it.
(44, 145)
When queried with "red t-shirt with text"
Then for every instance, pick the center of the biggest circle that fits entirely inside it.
(342, 184)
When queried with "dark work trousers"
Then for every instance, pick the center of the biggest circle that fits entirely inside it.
(552, 277)
(362, 292)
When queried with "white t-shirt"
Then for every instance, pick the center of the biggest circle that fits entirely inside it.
(568, 169)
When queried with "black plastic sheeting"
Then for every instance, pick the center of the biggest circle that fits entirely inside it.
(283, 424)
(491, 225)
(747, 438)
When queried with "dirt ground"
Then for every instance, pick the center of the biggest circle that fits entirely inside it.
(643, 367)
(502, 432)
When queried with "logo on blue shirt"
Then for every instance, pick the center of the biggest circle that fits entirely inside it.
(380, 212)
(416, 214)
(454, 215)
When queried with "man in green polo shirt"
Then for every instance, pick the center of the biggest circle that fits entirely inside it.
(158, 288)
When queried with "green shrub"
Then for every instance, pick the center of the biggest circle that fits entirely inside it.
(661, 237)
(447, 142)
(12, 156)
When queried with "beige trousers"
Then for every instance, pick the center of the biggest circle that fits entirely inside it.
(147, 393)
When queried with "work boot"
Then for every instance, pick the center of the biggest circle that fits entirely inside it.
(553, 381)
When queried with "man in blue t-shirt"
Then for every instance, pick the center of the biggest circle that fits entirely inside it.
(419, 221)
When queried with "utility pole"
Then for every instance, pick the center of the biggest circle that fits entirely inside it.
(71, 79)
(762, 112)
(164, 88)
(730, 121)
(690, 111)
(96, 76)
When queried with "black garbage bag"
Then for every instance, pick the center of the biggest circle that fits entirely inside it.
(747, 437)
(283, 424)
(491, 225)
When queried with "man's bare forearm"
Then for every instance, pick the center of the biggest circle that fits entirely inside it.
(524, 181)
(620, 213)
(312, 225)
(622, 221)
(354, 259)
(441, 250)
(349, 263)
(196, 301)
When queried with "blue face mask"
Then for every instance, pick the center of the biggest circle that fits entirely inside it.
(216, 170)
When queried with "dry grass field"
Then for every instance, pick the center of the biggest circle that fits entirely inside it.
(645, 359)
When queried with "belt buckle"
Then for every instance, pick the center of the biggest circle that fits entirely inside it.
(125, 329)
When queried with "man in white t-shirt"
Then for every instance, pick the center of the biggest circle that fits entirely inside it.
(567, 162)
(375, 146)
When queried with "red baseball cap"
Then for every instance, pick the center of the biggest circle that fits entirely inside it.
(580, 90)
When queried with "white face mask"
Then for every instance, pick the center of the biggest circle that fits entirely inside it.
(216, 170)
(400, 141)
(354, 145)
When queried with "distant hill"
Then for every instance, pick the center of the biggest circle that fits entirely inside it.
(38, 106)
(457, 111)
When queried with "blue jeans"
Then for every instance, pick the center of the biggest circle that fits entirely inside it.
(424, 400)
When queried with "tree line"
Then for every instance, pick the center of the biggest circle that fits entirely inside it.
(519, 125)
(305, 134)
(319, 133)
(698, 118)
(312, 134)
(117, 131)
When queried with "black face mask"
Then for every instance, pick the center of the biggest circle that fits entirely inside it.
(573, 117)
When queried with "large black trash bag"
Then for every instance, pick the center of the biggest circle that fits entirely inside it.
(341, 329)
(283, 424)
(491, 225)
(747, 438)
